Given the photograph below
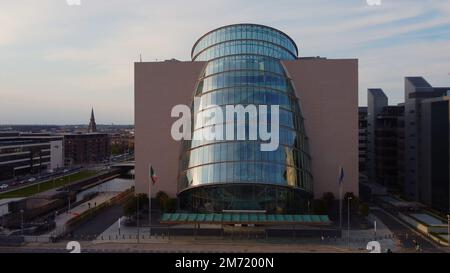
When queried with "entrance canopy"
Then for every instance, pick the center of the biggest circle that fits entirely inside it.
(244, 218)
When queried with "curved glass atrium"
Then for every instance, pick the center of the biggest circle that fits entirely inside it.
(243, 67)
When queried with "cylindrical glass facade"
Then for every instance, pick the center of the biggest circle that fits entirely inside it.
(244, 68)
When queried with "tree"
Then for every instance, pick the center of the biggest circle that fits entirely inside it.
(170, 205)
(162, 198)
(115, 149)
(347, 195)
(354, 203)
(130, 206)
(364, 209)
(166, 203)
(320, 206)
(329, 198)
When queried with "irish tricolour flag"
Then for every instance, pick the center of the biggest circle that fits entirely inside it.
(153, 176)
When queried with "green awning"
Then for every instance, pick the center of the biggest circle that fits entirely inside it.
(217, 218)
(208, 217)
(244, 218)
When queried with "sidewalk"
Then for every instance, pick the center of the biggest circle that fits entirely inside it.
(358, 238)
(383, 235)
(63, 218)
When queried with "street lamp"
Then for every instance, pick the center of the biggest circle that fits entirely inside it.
(348, 221)
(448, 229)
(119, 225)
(375, 229)
(137, 217)
(21, 225)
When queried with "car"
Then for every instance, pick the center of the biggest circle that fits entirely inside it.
(4, 186)
(32, 179)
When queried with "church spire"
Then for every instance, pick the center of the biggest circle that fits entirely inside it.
(92, 125)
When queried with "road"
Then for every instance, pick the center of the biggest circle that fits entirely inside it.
(99, 223)
(188, 246)
(405, 234)
(23, 182)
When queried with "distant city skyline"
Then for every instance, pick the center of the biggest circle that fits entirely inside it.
(59, 61)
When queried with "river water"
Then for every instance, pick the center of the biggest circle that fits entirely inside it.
(114, 185)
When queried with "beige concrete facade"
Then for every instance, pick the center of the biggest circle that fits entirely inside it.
(159, 86)
(328, 96)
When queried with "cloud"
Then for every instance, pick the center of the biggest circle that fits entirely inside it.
(56, 57)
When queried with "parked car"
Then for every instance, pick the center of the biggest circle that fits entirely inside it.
(32, 179)
(4, 186)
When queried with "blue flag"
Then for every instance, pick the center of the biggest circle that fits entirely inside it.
(341, 175)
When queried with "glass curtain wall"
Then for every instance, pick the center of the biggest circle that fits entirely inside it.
(243, 67)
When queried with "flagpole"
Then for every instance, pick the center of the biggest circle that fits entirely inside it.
(340, 207)
(137, 209)
(341, 180)
(150, 202)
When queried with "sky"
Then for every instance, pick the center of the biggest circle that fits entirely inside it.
(58, 61)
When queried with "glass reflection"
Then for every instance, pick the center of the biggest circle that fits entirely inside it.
(243, 67)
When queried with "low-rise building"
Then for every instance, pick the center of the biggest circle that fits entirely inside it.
(23, 154)
(86, 149)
